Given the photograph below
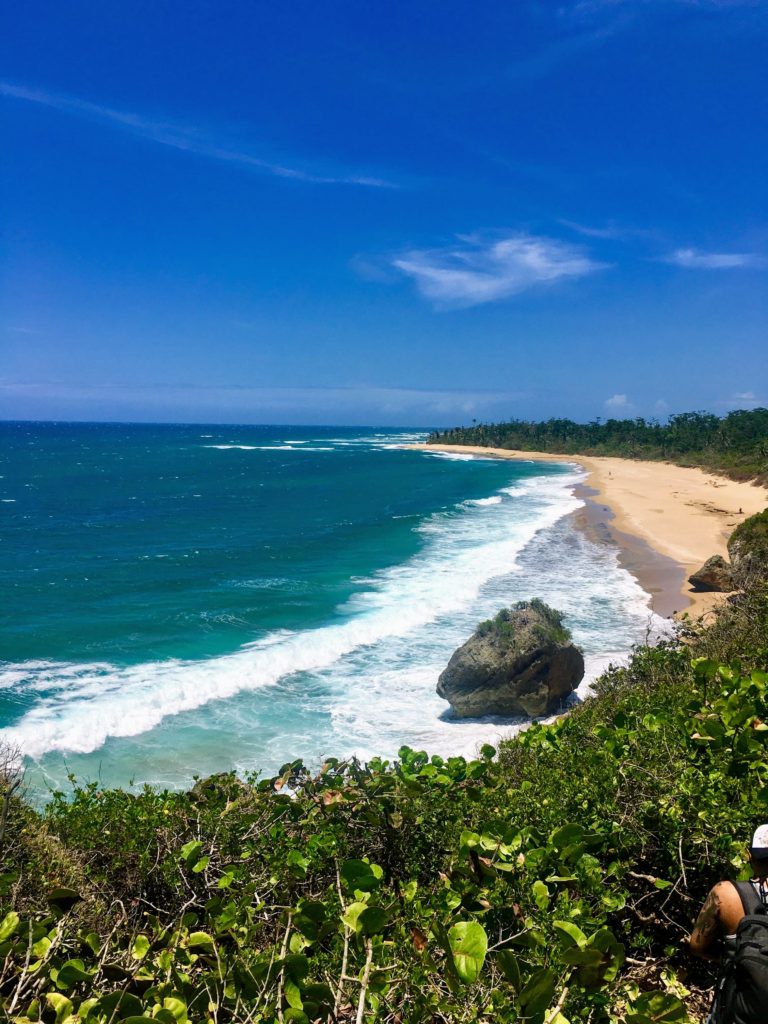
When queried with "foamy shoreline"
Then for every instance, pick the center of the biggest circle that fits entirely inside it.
(684, 514)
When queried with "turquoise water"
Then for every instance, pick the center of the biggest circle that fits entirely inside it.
(183, 599)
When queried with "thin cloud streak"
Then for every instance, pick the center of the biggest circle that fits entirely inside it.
(236, 403)
(610, 232)
(273, 397)
(589, 7)
(188, 140)
(548, 59)
(476, 271)
(694, 259)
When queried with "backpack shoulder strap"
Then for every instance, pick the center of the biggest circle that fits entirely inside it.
(750, 900)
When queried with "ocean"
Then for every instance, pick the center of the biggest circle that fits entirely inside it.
(184, 600)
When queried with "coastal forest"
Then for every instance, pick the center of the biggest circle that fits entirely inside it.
(553, 880)
(735, 445)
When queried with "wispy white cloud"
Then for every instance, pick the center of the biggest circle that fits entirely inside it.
(542, 62)
(610, 231)
(182, 137)
(590, 7)
(695, 259)
(616, 402)
(476, 271)
(742, 400)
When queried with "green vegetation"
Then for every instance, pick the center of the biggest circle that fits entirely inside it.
(736, 444)
(502, 626)
(553, 882)
(753, 534)
(748, 547)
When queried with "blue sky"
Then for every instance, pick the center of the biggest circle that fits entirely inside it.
(400, 213)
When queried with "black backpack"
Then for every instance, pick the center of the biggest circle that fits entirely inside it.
(743, 993)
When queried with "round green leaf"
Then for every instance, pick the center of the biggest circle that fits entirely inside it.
(372, 920)
(538, 991)
(9, 925)
(351, 915)
(62, 898)
(201, 865)
(409, 890)
(119, 1005)
(298, 1016)
(510, 967)
(469, 944)
(293, 994)
(200, 940)
(659, 1007)
(190, 852)
(567, 835)
(309, 918)
(71, 973)
(357, 874)
(540, 894)
(298, 863)
(61, 1005)
(177, 1007)
(589, 957)
(140, 947)
(571, 934)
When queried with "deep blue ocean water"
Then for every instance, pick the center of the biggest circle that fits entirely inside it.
(180, 600)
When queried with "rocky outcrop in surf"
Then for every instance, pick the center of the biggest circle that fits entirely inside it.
(522, 662)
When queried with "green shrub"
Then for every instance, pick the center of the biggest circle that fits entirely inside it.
(502, 627)
(559, 875)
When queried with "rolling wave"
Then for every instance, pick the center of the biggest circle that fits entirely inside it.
(81, 706)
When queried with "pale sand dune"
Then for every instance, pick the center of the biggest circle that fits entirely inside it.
(685, 514)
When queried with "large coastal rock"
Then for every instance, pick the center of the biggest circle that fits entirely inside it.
(520, 663)
(715, 574)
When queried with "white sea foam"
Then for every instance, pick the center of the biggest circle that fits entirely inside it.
(455, 456)
(365, 685)
(369, 441)
(603, 605)
(264, 583)
(289, 446)
(462, 552)
(495, 499)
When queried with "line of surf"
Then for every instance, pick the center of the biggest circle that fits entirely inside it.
(81, 706)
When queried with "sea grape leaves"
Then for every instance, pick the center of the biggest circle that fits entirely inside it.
(468, 944)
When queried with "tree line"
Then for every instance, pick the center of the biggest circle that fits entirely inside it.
(735, 444)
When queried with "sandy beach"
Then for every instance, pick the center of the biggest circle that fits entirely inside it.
(661, 516)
